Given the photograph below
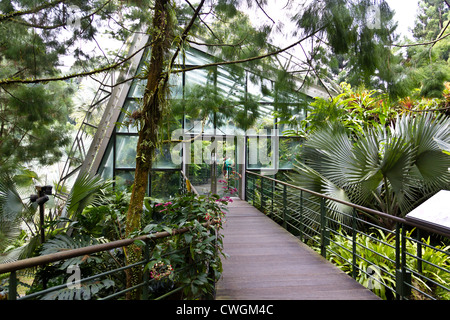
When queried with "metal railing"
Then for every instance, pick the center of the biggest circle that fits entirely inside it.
(407, 261)
(149, 242)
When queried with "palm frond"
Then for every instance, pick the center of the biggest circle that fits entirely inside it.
(390, 169)
(311, 179)
(87, 190)
(63, 242)
(12, 211)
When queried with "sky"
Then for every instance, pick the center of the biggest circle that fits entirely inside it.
(405, 13)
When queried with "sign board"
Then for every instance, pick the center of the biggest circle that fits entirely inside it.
(435, 212)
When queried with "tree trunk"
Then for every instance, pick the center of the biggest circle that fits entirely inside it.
(150, 118)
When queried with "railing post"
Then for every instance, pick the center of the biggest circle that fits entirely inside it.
(397, 261)
(12, 288)
(403, 278)
(146, 276)
(272, 198)
(419, 252)
(284, 206)
(324, 234)
(245, 185)
(261, 191)
(302, 228)
(354, 271)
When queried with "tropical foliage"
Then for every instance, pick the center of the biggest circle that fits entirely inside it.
(16, 211)
(376, 266)
(194, 257)
(427, 66)
(391, 169)
(188, 264)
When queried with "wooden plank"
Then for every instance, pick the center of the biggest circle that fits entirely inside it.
(268, 263)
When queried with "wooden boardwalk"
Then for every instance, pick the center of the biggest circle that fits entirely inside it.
(268, 263)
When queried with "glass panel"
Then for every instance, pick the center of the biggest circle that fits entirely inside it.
(230, 85)
(200, 177)
(124, 179)
(126, 123)
(138, 86)
(126, 151)
(164, 158)
(196, 78)
(201, 165)
(137, 89)
(229, 126)
(265, 122)
(259, 153)
(196, 126)
(260, 87)
(165, 184)
(289, 148)
(196, 58)
(106, 168)
(289, 120)
(193, 114)
(176, 86)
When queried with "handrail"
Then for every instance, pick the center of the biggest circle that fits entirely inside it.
(49, 258)
(391, 265)
(361, 208)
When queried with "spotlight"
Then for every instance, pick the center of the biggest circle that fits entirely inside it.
(42, 197)
(42, 200)
(42, 190)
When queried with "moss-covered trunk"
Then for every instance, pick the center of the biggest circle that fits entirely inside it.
(151, 112)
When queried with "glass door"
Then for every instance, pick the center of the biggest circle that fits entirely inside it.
(213, 166)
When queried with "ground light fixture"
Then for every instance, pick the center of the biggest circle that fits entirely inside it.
(40, 198)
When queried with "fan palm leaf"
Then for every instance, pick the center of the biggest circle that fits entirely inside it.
(12, 211)
(390, 169)
(87, 190)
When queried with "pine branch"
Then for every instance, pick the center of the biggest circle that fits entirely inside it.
(10, 15)
(264, 11)
(203, 21)
(186, 32)
(249, 59)
(217, 44)
(71, 76)
(442, 33)
(422, 43)
(56, 26)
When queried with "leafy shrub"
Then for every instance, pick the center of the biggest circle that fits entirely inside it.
(58, 273)
(376, 267)
(189, 261)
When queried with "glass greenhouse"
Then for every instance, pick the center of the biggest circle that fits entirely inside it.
(200, 134)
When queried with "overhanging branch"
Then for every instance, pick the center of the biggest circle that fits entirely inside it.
(10, 15)
(71, 76)
(249, 59)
